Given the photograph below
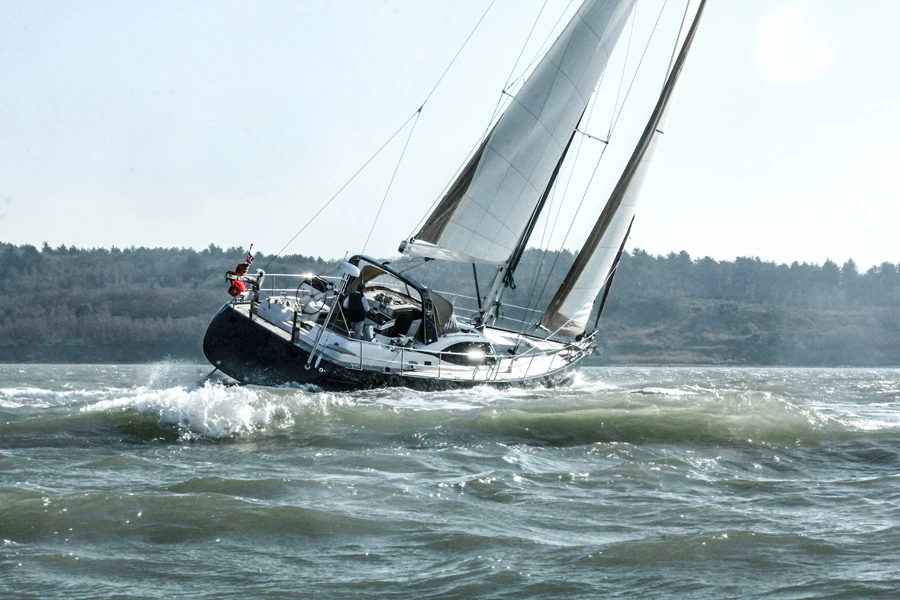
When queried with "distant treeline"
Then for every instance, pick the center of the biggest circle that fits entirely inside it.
(138, 304)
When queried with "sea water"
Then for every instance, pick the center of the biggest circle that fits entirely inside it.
(144, 482)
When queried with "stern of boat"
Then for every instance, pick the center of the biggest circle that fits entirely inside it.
(245, 348)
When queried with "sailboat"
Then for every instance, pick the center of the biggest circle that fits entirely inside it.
(408, 334)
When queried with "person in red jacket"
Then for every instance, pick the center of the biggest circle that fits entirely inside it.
(237, 279)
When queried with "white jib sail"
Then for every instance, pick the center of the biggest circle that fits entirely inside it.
(484, 214)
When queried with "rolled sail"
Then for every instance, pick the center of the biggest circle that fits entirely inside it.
(568, 313)
(485, 212)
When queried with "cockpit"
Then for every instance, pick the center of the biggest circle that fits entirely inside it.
(400, 307)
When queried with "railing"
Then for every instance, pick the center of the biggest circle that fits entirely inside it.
(491, 369)
(271, 277)
(409, 361)
(458, 295)
(527, 314)
(463, 311)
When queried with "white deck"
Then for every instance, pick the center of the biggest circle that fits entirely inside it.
(534, 357)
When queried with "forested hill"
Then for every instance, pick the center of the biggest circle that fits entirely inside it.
(140, 304)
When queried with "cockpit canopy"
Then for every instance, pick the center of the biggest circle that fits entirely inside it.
(437, 312)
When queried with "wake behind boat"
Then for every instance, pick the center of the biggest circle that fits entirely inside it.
(373, 325)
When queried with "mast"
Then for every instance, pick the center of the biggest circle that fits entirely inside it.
(492, 205)
(594, 266)
(504, 276)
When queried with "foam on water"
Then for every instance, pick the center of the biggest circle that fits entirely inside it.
(33, 397)
(587, 411)
(659, 391)
(597, 406)
(486, 396)
(871, 417)
(212, 410)
(656, 482)
(44, 394)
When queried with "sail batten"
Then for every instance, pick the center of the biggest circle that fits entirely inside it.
(485, 212)
(569, 310)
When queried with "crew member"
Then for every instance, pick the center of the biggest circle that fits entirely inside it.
(237, 279)
(356, 306)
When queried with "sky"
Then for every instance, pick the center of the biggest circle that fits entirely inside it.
(181, 124)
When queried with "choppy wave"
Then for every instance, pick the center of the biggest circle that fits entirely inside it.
(600, 406)
(626, 483)
(212, 410)
(161, 518)
(594, 408)
(18, 397)
(528, 416)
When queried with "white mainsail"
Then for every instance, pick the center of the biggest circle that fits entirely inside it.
(570, 309)
(482, 217)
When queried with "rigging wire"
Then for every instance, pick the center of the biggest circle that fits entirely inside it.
(544, 48)
(539, 264)
(597, 165)
(441, 78)
(574, 218)
(343, 187)
(391, 182)
(498, 108)
(458, 52)
(414, 115)
(613, 123)
(640, 62)
(509, 78)
(571, 171)
(624, 68)
(544, 236)
(513, 261)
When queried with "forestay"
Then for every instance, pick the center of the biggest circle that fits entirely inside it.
(485, 212)
(570, 309)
